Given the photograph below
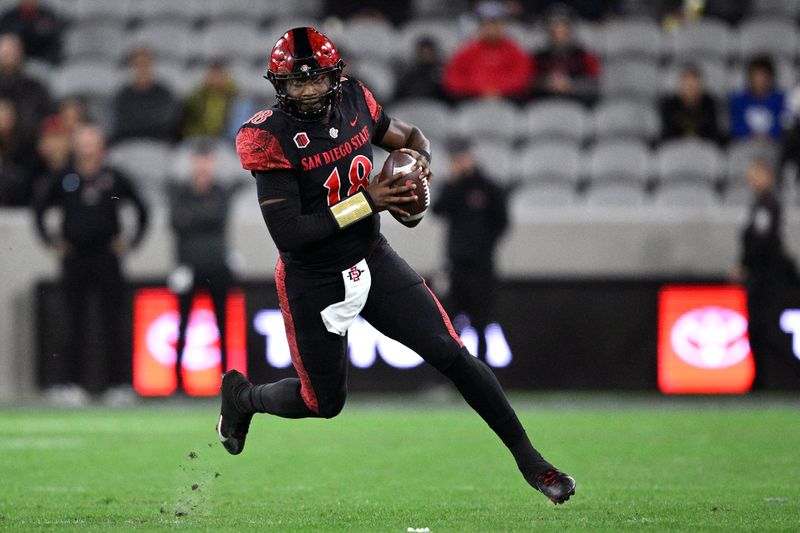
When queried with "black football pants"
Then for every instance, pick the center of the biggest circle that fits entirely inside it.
(401, 306)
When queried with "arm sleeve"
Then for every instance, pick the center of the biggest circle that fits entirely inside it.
(287, 225)
(380, 127)
(45, 200)
(127, 190)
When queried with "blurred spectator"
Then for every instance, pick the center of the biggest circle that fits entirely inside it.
(690, 113)
(17, 155)
(491, 65)
(31, 99)
(72, 112)
(475, 210)
(38, 27)
(144, 107)
(423, 77)
(90, 244)
(53, 151)
(564, 68)
(757, 111)
(206, 111)
(199, 216)
(765, 268)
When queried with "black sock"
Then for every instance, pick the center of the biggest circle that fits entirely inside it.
(479, 386)
(281, 398)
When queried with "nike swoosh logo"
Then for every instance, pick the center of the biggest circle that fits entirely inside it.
(352, 124)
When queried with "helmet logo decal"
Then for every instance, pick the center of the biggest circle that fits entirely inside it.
(301, 140)
(333, 132)
(304, 68)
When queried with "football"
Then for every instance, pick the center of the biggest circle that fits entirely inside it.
(402, 162)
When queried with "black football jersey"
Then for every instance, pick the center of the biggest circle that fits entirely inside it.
(331, 161)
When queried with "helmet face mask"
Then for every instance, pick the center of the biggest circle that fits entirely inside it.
(301, 54)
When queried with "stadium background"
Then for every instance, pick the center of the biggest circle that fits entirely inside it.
(674, 216)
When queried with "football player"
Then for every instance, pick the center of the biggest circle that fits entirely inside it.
(311, 156)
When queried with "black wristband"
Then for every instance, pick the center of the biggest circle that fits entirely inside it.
(425, 154)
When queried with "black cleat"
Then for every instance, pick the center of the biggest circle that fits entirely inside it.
(556, 485)
(233, 423)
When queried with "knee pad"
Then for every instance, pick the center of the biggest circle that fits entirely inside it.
(332, 406)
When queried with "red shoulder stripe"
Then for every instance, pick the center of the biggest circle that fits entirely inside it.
(374, 107)
(259, 150)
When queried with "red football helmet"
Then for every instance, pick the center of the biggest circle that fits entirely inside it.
(303, 53)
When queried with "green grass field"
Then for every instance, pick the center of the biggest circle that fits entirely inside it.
(641, 464)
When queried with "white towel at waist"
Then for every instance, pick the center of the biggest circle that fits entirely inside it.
(339, 317)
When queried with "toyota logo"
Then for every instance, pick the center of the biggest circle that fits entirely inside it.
(202, 340)
(711, 337)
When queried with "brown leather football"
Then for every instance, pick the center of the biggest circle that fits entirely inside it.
(402, 162)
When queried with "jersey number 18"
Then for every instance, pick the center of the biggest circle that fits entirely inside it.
(358, 175)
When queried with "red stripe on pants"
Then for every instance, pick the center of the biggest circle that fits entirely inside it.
(306, 390)
(446, 318)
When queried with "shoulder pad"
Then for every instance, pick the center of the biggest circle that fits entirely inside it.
(258, 148)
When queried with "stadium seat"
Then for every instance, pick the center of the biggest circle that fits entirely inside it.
(534, 197)
(426, 9)
(496, 159)
(621, 118)
(244, 205)
(178, 79)
(103, 40)
(618, 161)
(40, 70)
(377, 76)
(492, 118)
(445, 32)
(590, 35)
(431, 116)
(272, 32)
(550, 161)
(556, 118)
(168, 39)
(716, 77)
(689, 161)
(637, 37)
(313, 9)
(527, 36)
(119, 10)
(776, 8)
(774, 36)
(686, 196)
(238, 10)
(701, 40)
(604, 195)
(737, 196)
(145, 160)
(630, 78)
(250, 81)
(232, 40)
(368, 39)
(86, 78)
(740, 154)
(159, 11)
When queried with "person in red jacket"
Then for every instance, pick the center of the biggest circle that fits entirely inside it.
(492, 65)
